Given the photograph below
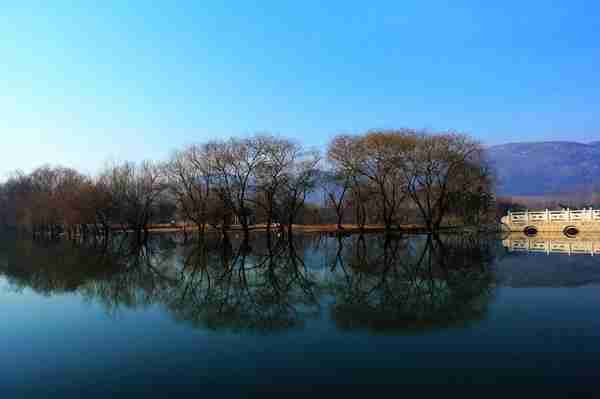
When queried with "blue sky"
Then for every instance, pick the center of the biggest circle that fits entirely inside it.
(81, 83)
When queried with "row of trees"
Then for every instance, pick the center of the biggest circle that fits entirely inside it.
(380, 177)
(384, 174)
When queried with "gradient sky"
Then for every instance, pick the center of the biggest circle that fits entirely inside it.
(81, 84)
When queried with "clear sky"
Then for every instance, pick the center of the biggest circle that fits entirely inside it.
(80, 84)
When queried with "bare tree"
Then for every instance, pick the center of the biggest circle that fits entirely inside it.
(437, 166)
(336, 184)
(135, 190)
(361, 200)
(298, 183)
(189, 178)
(471, 196)
(279, 156)
(235, 163)
(375, 156)
(379, 160)
(16, 194)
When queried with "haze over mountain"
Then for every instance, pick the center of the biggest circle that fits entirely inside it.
(541, 168)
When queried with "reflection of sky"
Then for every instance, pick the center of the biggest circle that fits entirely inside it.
(556, 270)
(63, 343)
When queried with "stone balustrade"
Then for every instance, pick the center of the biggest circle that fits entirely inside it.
(578, 220)
(547, 216)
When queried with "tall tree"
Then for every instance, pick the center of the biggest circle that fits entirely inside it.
(279, 156)
(135, 191)
(189, 176)
(298, 183)
(336, 184)
(235, 162)
(376, 157)
(436, 167)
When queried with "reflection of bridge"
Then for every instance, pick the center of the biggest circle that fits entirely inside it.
(554, 221)
(552, 245)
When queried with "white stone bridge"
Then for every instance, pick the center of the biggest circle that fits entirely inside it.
(569, 222)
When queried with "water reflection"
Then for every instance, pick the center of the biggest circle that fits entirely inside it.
(265, 287)
(553, 243)
(412, 284)
(271, 283)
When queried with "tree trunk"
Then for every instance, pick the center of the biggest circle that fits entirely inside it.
(340, 216)
(290, 224)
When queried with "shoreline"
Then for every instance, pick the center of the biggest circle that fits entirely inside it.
(305, 228)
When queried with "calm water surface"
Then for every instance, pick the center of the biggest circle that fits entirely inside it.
(315, 315)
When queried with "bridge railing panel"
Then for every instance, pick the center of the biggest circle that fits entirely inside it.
(537, 216)
(578, 215)
(558, 216)
(554, 216)
(518, 217)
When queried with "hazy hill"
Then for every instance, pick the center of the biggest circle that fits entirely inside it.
(539, 168)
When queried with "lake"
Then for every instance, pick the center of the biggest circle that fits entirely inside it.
(313, 315)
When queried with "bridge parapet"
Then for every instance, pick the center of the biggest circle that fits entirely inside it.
(547, 216)
(554, 221)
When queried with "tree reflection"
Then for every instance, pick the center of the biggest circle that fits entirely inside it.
(412, 284)
(53, 267)
(272, 282)
(264, 289)
(144, 275)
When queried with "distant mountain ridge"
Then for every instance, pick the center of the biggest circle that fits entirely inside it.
(548, 167)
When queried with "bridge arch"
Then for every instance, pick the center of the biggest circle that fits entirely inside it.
(571, 231)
